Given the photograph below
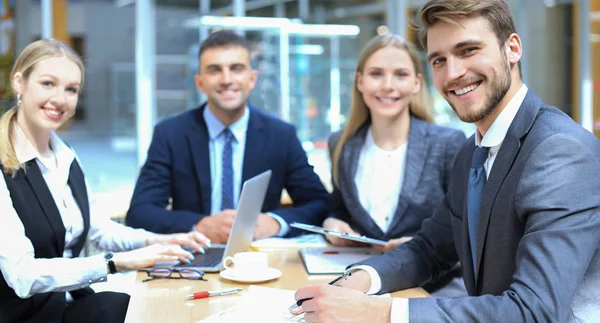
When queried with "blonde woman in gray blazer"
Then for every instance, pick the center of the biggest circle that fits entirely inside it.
(390, 164)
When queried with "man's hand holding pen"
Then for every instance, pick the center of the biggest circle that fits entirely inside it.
(323, 303)
(358, 280)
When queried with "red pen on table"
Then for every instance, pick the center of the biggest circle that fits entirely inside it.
(207, 294)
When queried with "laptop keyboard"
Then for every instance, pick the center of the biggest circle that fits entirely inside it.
(211, 258)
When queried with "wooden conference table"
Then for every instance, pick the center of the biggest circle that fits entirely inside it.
(164, 300)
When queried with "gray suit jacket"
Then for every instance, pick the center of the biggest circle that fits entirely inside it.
(538, 257)
(429, 158)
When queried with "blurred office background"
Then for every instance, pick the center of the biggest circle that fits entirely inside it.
(141, 56)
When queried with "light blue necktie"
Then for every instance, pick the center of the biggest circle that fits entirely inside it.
(477, 180)
(227, 172)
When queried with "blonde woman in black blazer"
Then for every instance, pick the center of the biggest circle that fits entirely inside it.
(46, 212)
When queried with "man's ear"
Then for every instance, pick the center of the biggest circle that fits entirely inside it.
(253, 78)
(198, 82)
(514, 48)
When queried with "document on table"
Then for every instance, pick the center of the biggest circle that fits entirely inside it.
(303, 241)
(334, 260)
(260, 304)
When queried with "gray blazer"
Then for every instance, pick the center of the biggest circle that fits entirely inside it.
(429, 158)
(538, 235)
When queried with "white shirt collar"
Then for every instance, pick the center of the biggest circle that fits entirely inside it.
(372, 147)
(497, 131)
(216, 127)
(25, 151)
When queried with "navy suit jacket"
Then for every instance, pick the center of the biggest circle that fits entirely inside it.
(538, 257)
(429, 159)
(178, 168)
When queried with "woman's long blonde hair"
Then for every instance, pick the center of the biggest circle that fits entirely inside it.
(25, 64)
(420, 105)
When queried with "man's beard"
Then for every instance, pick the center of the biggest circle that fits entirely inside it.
(499, 88)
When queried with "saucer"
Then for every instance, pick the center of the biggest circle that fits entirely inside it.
(263, 276)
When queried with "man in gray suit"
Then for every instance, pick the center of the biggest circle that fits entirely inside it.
(522, 213)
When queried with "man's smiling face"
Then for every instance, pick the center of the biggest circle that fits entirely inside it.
(470, 69)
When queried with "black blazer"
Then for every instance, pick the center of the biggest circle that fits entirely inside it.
(429, 158)
(43, 224)
(178, 168)
(538, 236)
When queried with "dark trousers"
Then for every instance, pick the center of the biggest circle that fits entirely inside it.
(105, 307)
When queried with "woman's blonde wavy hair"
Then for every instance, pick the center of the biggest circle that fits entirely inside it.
(25, 64)
(420, 105)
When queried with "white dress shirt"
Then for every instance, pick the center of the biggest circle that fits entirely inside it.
(379, 177)
(216, 144)
(493, 139)
(29, 275)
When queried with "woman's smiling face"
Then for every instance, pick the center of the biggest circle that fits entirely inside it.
(49, 94)
(388, 82)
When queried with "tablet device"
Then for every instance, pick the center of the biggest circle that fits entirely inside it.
(337, 234)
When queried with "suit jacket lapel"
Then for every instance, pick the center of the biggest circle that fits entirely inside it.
(197, 139)
(416, 152)
(350, 157)
(348, 168)
(502, 164)
(255, 144)
(78, 187)
(36, 180)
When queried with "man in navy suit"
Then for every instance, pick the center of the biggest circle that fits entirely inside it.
(200, 158)
(522, 212)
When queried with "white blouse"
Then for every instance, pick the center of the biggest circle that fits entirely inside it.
(29, 275)
(378, 180)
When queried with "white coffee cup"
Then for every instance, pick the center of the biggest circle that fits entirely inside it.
(248, 263)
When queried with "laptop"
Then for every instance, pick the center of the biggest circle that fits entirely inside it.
(242, 231)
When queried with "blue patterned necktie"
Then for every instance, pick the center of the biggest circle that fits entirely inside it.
(227, 172)
(477, 179)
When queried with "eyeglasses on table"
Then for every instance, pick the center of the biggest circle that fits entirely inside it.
(167, 273)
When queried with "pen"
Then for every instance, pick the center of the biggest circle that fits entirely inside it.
(299, 302)
(207, 294)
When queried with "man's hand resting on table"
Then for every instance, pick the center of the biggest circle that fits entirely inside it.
(266, 227)
(218, 227)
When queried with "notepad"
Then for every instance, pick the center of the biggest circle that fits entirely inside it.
(334, 260)
(260, 304)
